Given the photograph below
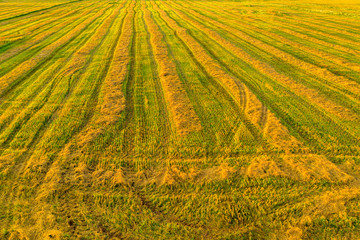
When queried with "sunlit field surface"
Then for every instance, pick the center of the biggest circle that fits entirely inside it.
(177, 119)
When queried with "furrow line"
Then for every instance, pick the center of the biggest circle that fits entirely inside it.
(41, 36)
(323, 86)
(343, 24)
(270, 71)
(296, 19)
(247, 115)
(235, 88)
(180, 107)
(277, 131)
(329, 32)
(35, 84)
(129, 123)
(213, 70)
(19, 9)
(8, 20)
(71, 76)
(190, 82)
(111, 101)
(20, 161)
(328, 25)
(343, 44)
(26, 25)
(85, 133)
(29, 26)
(14, 58)
(286, 57)
(285, 116)
(254, 103)
(163, 116)
(299, 43)
(294, 30)
(27, 68)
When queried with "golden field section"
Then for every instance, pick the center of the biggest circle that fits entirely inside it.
(179, 119)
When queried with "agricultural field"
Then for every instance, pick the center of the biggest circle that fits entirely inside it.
(179, 119)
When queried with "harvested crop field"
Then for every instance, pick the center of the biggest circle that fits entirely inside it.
(179, 119)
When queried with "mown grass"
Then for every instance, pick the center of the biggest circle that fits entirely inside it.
(181, 119)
